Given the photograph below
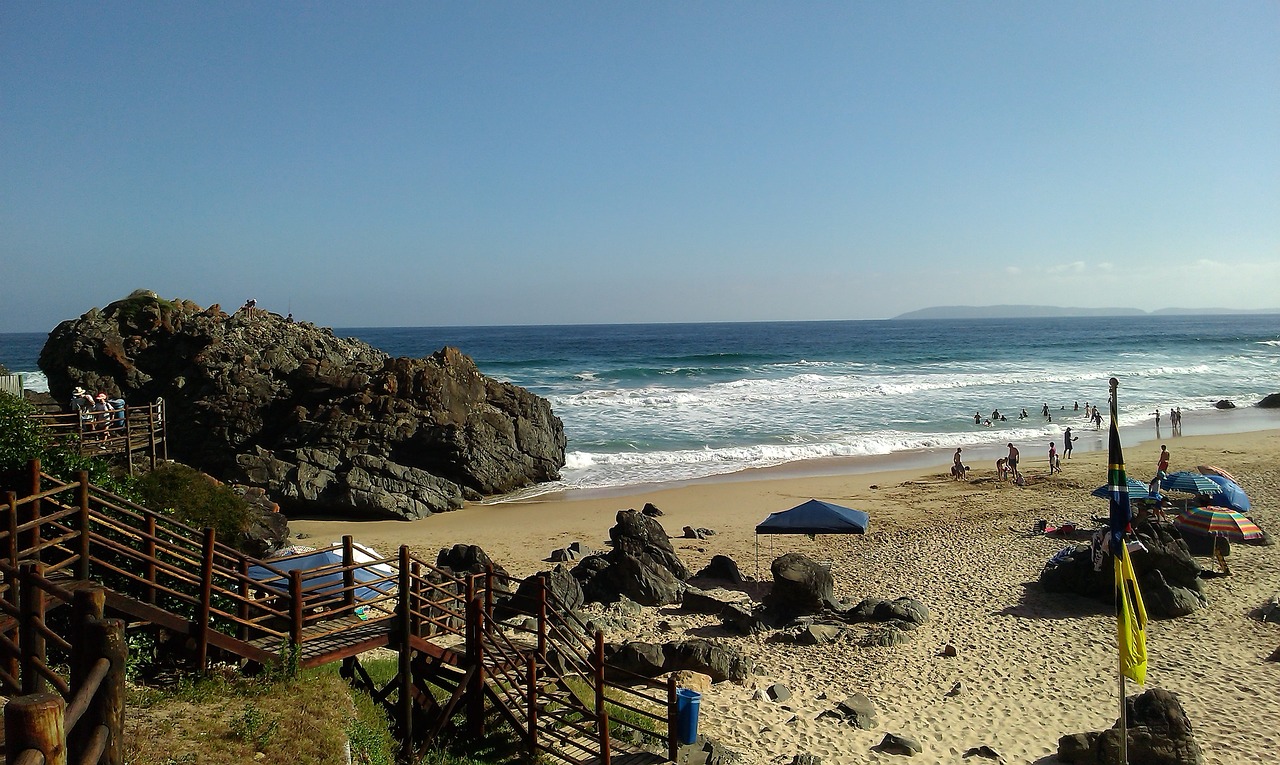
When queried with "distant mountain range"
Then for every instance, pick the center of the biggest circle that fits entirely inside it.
(1043, 311)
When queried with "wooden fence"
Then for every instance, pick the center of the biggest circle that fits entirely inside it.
(127, 431)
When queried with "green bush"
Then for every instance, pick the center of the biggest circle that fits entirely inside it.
(194, 499)
(22, 439)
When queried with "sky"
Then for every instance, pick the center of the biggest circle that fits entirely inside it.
(486, 163)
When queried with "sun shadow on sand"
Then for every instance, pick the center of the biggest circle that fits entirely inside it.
(1035, 603)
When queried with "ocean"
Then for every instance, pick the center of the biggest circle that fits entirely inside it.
(656, 403)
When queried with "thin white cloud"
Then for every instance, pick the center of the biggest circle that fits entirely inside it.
(1012, 270)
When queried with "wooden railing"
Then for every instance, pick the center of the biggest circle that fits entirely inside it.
(549, 679)
(138, 428)
(81, 723)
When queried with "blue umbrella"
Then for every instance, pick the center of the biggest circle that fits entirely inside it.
(1232, 495)
(1137, 490)
(1190, 483)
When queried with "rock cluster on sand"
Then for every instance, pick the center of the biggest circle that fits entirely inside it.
(1159, 734)
(642, 565)
(1168, 575)
(317, 421)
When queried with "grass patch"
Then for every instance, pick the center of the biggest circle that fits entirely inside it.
(226, 719)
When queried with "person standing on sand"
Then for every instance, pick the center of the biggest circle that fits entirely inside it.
(1067, 438)
(1163, 465)
(957, 467)
(1054, 467)
(1012, 461)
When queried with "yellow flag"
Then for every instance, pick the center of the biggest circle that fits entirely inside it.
(1131, 620)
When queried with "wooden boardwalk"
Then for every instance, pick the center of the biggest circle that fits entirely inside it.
(543, 671)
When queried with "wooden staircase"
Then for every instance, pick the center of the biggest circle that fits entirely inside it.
(540, 669)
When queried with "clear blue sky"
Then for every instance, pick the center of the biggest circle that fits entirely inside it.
(424, 163)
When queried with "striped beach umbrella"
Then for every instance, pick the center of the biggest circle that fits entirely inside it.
(1137, 491)
(1189, 483)
(1221, 521)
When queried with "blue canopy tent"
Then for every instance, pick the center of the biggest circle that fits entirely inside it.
(812, 517)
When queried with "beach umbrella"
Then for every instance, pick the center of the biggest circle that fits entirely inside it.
(1190, 483)
(1220, 521)
(1211, 470)
(1232, 495)
(1137, 491)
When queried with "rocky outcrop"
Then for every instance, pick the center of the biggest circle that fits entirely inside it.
(1167, 574)
(1159, 733)
(1270, 401)
(720, 662)
(642, 566)
(800, 586)
(319, 422)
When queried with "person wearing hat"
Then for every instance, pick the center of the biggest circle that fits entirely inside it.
(101, 409)
(81, 403)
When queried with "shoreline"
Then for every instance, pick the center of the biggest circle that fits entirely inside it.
(1196, 424)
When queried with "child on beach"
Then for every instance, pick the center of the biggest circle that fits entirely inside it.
(1054, 465)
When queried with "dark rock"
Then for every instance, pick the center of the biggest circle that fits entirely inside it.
(858, 711)
(321, 423)
(574, 551)
(819, 634)
(1168, 575)
(744, 620)
(1224, 404)
(1270, 401)
(1158, 733)
(267, 530)
(702, 602)
(467, 559)
(800, 586)
(651, 510)
(806, 759)
(957, 689)
(904, 609)
(895, 743)
(985, 752)
(950, 651)
(562, 589)
(692, 533)
(606, 578)
(887, 636)
(1270, 611)
(719, 662)
(723, 568)
(778, 692)
(641, 536)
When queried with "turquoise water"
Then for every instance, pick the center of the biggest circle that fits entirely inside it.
(649, 403)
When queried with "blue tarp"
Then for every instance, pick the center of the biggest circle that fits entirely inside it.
(815, 517)
(330, 582)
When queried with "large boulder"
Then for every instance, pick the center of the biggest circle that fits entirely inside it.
(1159, 733)
(1270, 401)
(800, 586)
(718, 661)
(1167, 574)
(643, 537)
(321, 423)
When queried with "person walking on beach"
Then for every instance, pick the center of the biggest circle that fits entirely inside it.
(1067, 438)
(1163, 465)
(1054, 467)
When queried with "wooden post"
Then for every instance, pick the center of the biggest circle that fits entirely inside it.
(417, 604)
(164, 430)
(206, 600)
(348, 571)
(242, 611)
(36, 721)
(31, 537)
(128, 440)
(532, 698)
(542, 617)
(488, 591)
(11, 581)
(475, 657)
(31, 610)
(149, 552)
(405, 702)
(103, 639)
(673, 741)
(295, 608)
(82, 494)
(602, 715)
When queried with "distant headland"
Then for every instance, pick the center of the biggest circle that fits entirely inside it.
(1051, 311)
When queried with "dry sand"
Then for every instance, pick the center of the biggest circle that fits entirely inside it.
(1034, 666)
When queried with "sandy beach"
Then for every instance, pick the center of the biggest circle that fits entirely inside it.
(1033, 666)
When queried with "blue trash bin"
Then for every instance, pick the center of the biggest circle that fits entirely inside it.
(687, 703)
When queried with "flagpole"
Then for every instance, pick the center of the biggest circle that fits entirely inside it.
(1116, 556)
